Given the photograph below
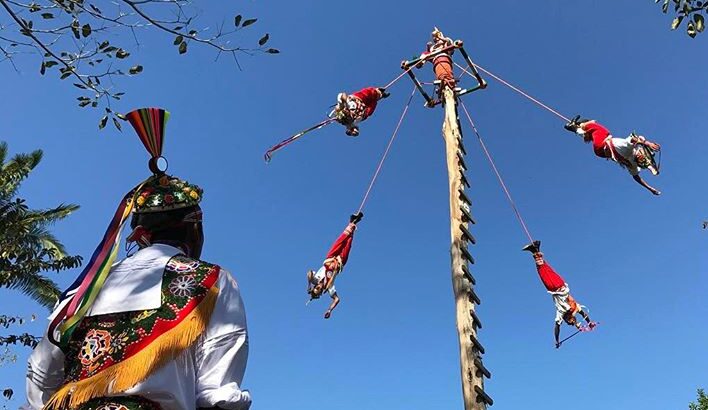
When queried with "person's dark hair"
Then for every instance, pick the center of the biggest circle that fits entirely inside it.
(167, 225)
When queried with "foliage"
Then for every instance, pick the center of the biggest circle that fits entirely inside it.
(692, 11)
(27, 247)
(74, 39)
(701, 403)
(24, 339)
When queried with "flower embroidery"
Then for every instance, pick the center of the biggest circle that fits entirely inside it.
(96, 344)
(183, 286)
(183, 265)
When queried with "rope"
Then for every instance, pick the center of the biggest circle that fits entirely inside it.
(385, 154)
(499, 177)
(398, 78)
(501, 80)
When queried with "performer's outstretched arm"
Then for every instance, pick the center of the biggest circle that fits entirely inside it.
(556, 334)
(335, 302)
(643, 183)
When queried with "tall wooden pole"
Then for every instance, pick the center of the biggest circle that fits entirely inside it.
(472, 370)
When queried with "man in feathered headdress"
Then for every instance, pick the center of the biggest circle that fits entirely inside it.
(158, 330)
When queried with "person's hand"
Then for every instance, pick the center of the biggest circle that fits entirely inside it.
(558, 345)
(327, 314)
(592, 325)
(654, 146)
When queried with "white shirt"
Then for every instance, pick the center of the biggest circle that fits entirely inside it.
(625, 148)
(208, 374)
(560, 298)
(322, 274)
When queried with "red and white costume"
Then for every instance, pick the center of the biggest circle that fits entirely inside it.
(558, 289)
(362, 104)
(620, 150)
(336, 258)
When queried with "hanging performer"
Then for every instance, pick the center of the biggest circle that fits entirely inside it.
(159, 330)
(566, 306)
(351, 109)
(442, 62)
(633, 153)
(323, 280)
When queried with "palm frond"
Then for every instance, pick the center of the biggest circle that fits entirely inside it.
(44, 291)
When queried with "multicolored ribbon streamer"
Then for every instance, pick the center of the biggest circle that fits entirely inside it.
(150, 125)
(91, 280)
(269, 154)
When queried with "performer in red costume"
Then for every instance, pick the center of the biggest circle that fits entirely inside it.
(351, 109)
(566, 306)
(323, 280)
(633, 153)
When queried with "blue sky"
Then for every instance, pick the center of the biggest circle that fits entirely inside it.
(637, 261)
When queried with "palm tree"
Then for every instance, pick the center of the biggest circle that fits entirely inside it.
(27, 247)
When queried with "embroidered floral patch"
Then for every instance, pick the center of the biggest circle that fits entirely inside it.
(102, 341)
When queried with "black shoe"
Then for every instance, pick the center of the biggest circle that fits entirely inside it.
(384, 93)
(533, 247)
(573, 124)
(355, 218)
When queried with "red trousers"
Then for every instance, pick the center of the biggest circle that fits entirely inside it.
(343, 245)
(551, 280)
(599, 134)
(442, 65)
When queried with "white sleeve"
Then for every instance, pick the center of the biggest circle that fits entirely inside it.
(222, 354)
(45, 373)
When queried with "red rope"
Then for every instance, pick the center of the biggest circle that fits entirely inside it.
(398, 78)
(385, 154)
(499, 177)
(501, 80)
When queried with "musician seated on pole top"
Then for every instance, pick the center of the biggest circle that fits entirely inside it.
(566, 306)
(323, 280)
(442, 63)
(633, 153)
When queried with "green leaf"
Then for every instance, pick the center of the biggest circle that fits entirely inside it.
(43, 68)
(264, 39)
(86, 30)
(183, 48)
(78, 85)
(121, 116)
(50, 63)
(665, 6)
(178, 40)
(102, 123)
(47, 16)
(84, 103)
(273, 51)
(117, 124)
(700, 22)
(136, 69)
(65, 74)
(237, 20)
(249, 22)
(676, 22)
(691, 30)
(122, 53)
